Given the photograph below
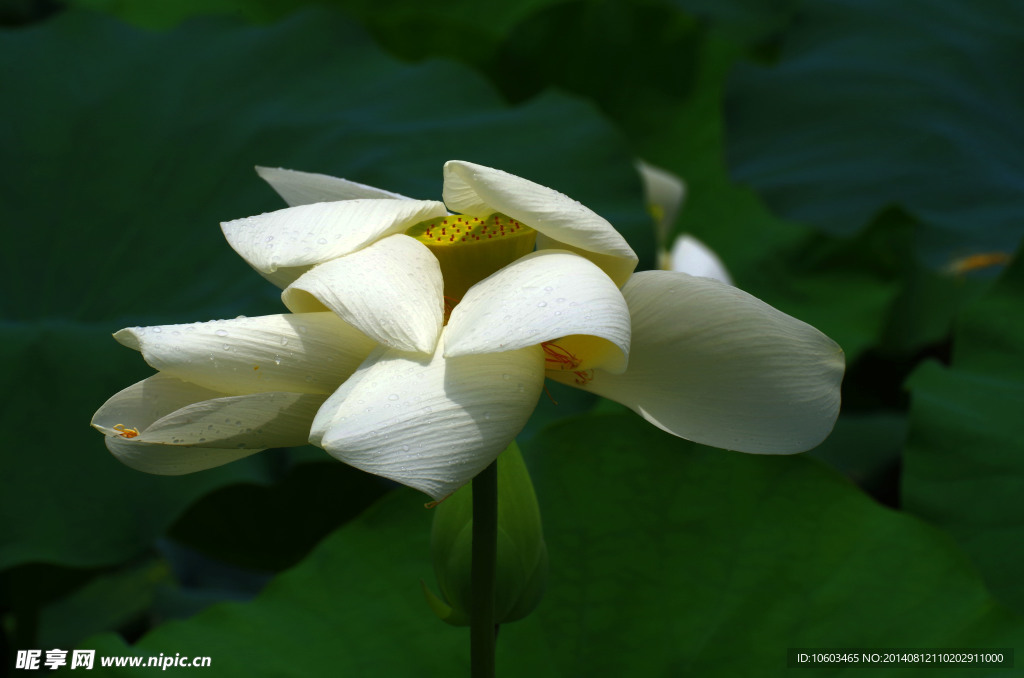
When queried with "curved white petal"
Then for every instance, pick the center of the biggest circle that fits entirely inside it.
(283, 245)
(305, 188)
(712, 364)
(691, 256)
(256, 421)
(324, 419)
(301, 353)
(664, 193)
(182, 428)
(391, 290)
(560, 221)
(171, 460)
(539, 298)
(432, 423)
(142, 403)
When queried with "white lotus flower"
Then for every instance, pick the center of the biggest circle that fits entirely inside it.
(434, 402)
(664, 193)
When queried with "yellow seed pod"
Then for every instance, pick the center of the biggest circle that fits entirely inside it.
(470, 249)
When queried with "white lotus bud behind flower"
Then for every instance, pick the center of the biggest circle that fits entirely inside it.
(691, 256)
(664, 194)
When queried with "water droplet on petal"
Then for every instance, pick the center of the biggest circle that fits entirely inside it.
(393, 396)
(321, 241)
(222, 333)
(541, 304)
(157, 330)
(284, 341)
(548, 289)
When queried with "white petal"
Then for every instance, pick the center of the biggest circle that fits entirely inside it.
(391, 290)
(142, 403)
(305, 188)
(560, 221)
(690, 255)
(171, 460)
(542, 297)
(324, 419)
(664, 193)
(301, 353)
(283, 245)
(257, 420)
(713, 364)
(432, 423)
(184, 428)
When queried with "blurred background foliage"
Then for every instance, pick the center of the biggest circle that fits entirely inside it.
(856, 163)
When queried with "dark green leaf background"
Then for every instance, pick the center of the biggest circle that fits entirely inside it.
(840, 156)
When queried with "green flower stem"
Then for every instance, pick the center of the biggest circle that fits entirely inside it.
(482, 632)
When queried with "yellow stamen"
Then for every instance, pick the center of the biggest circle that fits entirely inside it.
(126, 432)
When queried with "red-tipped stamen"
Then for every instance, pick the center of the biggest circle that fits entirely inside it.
(556, 355)
(584, 377)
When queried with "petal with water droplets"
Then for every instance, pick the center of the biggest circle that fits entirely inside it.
(301, 353)
(560, 221)
(431, 423)
(283, 245)
(182, 428)
(545, 296)
(391, 290)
